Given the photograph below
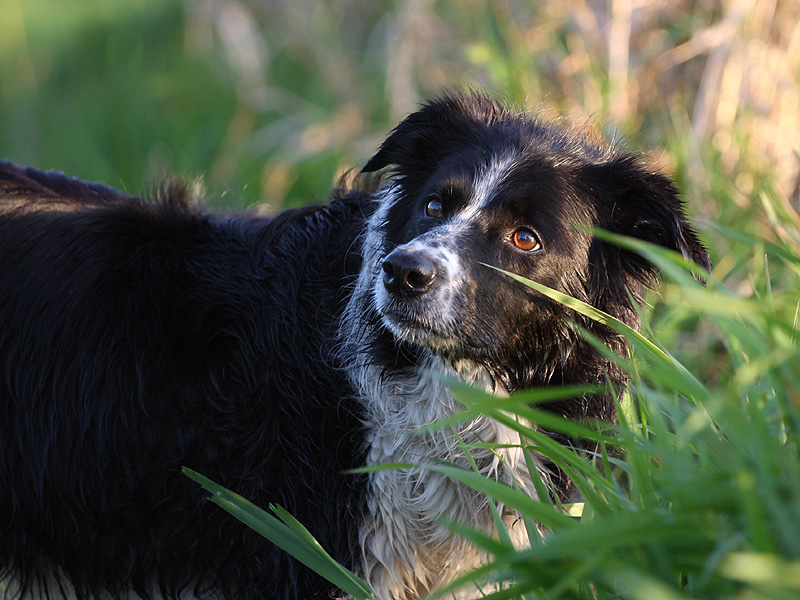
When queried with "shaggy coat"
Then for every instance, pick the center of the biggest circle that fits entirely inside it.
(275, 354)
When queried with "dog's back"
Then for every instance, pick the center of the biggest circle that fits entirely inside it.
(138, 337)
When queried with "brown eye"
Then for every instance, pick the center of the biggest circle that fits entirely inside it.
(524, 239)
(434, 207)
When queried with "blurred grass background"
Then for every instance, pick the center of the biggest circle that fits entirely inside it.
(271, 100)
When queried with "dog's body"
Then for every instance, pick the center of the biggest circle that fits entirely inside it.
(276, 354)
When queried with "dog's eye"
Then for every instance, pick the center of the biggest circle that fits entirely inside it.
(524, 239)
(434, 207)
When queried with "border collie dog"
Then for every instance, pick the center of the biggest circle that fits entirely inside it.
(276, 354)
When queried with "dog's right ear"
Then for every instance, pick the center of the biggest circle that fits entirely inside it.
(407, 143)
(444, 125)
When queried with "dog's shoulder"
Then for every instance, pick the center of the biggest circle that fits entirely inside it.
(193, 278)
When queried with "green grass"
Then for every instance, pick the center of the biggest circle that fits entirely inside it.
(702, 498)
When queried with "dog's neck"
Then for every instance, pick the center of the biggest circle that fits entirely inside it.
(406, 549)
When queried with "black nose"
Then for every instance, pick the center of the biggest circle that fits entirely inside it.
(408, 273)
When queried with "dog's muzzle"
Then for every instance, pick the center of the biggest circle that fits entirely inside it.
(408, 273)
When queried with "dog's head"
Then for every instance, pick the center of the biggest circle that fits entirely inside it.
(475, 183)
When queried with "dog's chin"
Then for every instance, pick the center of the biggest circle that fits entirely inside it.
(413, 330)
(430, 334)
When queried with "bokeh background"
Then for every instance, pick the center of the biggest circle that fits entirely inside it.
(270, 101)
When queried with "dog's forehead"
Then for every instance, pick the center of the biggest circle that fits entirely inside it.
(490, 186)
(487, 180)
(513, 180)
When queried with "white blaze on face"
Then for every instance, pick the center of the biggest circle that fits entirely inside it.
(484, 187)
(444, 245)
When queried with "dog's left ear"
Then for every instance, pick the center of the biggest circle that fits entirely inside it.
(646, 205)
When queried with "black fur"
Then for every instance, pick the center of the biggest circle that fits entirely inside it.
(137, 337)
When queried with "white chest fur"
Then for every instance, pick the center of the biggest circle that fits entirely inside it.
(408, 552)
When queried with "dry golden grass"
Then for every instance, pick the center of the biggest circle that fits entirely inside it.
(721, 76)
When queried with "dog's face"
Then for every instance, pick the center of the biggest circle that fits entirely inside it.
(476, 185)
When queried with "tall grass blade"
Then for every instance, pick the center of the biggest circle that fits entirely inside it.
(684, 381)
(287, 533)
